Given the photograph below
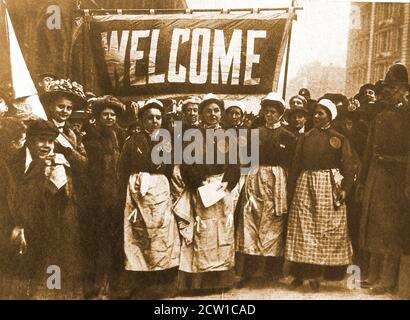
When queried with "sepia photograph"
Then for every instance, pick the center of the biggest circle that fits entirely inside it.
(203, 155)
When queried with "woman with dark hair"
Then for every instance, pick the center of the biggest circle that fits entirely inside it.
(207, 249)
(103, 143)
(151, 240)
(317, 243)
(263, 208)
(297, 118)
(12, 139)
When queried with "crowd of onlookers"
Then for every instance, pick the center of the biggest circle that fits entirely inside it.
(81, 192)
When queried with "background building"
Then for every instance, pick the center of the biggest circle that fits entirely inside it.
(318, 78)
(378, 37)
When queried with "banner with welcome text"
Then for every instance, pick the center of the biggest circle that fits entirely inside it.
(189, 53)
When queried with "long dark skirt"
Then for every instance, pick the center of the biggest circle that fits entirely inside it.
(305, 271)
(102, 244)
(253, 266)
(146, 285)
(206, 281)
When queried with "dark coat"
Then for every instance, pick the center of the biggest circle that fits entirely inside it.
(357, 134)
(194, 174)
(7, 221)
(77, 156)
(136, 157)
(383, 226)
(50, 221)
(103, 147)
(103, 217)
(276, 147)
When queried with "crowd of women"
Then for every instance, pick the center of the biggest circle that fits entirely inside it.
(81, 195)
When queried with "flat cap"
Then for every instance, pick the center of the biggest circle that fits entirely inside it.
(41, 128)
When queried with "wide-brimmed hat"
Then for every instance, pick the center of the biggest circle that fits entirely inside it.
(149, 104)
(41, 128)
(64, 87)
(107, 101)
(79, 115)
(211, 98)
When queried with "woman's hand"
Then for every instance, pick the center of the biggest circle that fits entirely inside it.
(18, 238)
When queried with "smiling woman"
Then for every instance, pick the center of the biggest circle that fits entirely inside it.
(106, 109)
(103, 142)
(60, 108)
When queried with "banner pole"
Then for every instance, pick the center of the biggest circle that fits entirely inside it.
(93, 11)
(285, 80)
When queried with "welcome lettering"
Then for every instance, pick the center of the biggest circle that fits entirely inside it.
(183, 54)
(226, 60)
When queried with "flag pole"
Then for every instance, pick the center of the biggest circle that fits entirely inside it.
(285, 80)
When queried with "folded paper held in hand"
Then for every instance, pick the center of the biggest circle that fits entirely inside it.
(211, 193)
(64, 142)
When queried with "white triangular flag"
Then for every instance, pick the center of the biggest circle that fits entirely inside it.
(24, 90)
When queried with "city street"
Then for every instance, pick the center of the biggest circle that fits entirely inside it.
(259, 291)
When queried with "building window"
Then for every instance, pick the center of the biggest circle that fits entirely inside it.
(384, 42)
(398, 12)
(387, 12)
(355, 18)
(398, 40)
